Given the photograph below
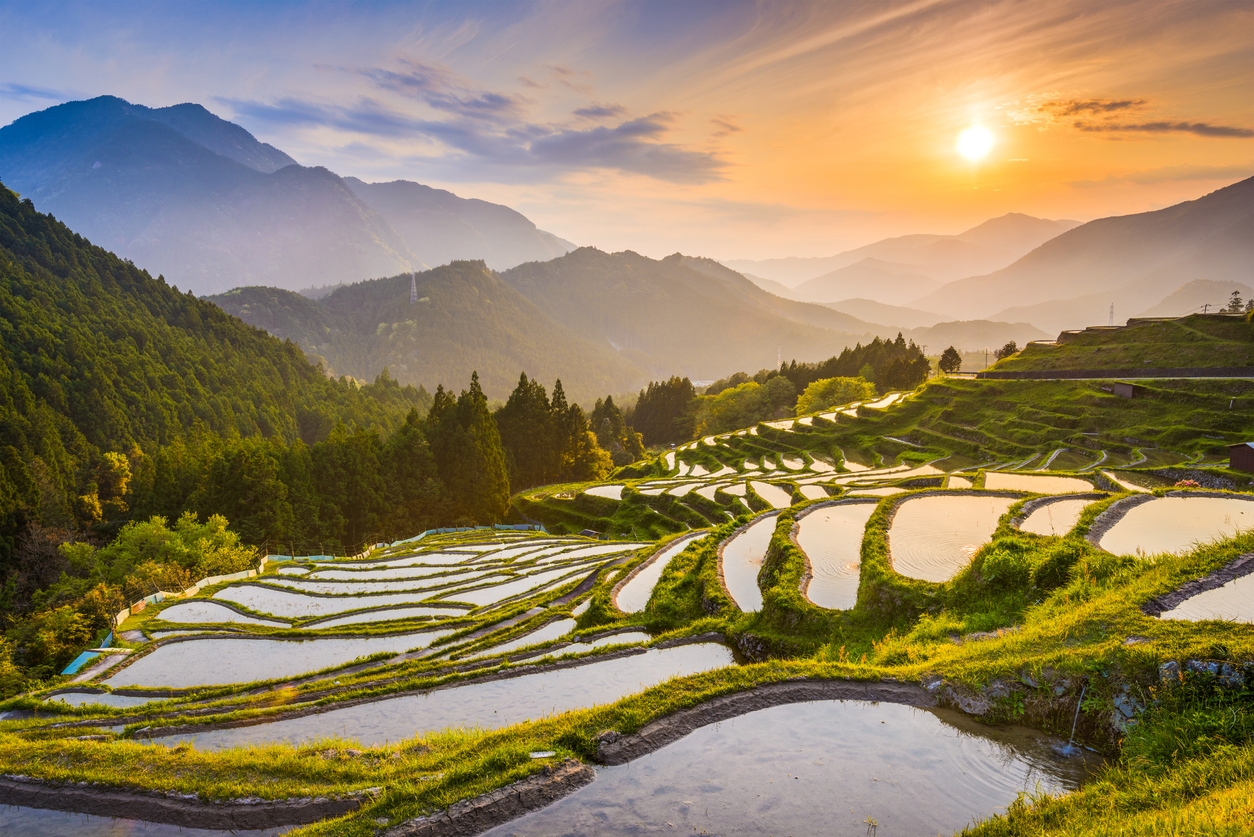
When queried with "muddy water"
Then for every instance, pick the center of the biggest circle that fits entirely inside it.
(202, 610)
(1177, 524)
(773, 494)
(488, 705)
(1057, 518)
(635, 594)
(38, 822)
(742, 560)
(997, 481)
(218, 661)
(1232, 602)
(934, 536)
(832, 539)
(827, 767)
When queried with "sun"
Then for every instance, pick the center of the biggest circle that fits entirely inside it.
(975, 143)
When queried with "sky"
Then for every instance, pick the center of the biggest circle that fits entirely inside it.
(724, 129)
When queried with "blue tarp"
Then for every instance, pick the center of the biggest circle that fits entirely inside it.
(80, 661)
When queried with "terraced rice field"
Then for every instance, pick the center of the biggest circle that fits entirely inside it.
(933, 537)
(1176, 524)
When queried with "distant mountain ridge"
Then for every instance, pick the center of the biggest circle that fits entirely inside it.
(1130, 261)
(988, 246)
(197, 198)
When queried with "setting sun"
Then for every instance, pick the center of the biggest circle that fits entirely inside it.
(975, 143)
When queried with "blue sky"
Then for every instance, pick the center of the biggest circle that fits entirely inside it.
(730, 129)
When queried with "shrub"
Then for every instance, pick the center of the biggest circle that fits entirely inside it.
(830, 392)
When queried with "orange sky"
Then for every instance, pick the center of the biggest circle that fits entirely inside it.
(733, 130)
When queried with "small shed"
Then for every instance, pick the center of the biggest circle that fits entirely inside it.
(1241, 457)
(1125, 390)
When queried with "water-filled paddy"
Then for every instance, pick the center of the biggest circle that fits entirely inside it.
(1177, 524)
(200, 611)
(294, 605)
(831, 538)
(1232, 602)
(826, 767)
(483, 596)
(634, 595)
(104, 699)
(773, 494)
(742, 560)
(813, 492)
(556, 629)
(382, 575)
(997, 481)
(1056, 518)
(388, 615)
(367, 588)
(217, 661)
(41, 822)
(932, 537)
(489, 705)
(613, 492)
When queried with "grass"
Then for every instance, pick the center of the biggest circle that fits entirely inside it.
(1194, 341)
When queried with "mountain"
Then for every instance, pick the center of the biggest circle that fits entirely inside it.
(993, 244)
(679, 315)
(973, 335)
(879, 312)
(465, 319)
(887, 282)
(1192, 296)
(770, 286)
(1131, 260)
(198, 199)
(96, 356)
(439, 227)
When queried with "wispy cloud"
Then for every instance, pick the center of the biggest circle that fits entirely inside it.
(1201, 129)
(27, 93)
(596, 111)
(725, 126)
(1110, 115)
(635, 146)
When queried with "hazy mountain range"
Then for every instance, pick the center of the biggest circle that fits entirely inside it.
(196, 198)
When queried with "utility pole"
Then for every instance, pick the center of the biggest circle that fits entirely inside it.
(1112, 315)
(1206, 308)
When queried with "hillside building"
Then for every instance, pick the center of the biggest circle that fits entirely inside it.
(1241, 457)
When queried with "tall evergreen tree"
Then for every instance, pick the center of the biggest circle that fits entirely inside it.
(468, 454)
(666, 411)
(526, 427)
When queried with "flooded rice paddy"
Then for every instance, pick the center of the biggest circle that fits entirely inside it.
(777, 497)
(742, 558)
(486, 705)
(202, 611)
(295, 605)
(1177, 524)
(1056, 518)
(997, 481)
(831, 538)
(1233, 602)
(825, 767)
(102, 699)
(40, 822)
(219, 661)
(391, 614)
(547, 633)
(932, 537)
(634, 595)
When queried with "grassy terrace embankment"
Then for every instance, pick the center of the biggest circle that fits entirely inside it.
(1194, 341)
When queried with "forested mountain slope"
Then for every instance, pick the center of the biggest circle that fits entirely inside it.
(465, 319)
(680, 316)
(97, 357)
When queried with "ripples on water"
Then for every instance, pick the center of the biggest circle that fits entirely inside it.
(832, 539)
(815, 768)
(1177, 524)
(934, 536)
(1233, 602)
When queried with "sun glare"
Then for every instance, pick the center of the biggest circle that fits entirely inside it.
(975, 143)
